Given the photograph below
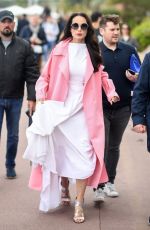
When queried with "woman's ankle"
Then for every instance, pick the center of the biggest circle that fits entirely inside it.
(79, 202)
(65, 183)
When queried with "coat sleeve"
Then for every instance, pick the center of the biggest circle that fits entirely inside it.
(42, 83)
(25, 33)
(107, 85)
(42, 36)
(31, 73)
(141, 93)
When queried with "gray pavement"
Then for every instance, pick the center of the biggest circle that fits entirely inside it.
(19, 205)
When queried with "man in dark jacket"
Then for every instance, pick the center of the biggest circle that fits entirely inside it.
(116, 59)
(17, 66)
(141, 101)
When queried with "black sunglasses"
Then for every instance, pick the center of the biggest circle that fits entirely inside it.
(76, 26)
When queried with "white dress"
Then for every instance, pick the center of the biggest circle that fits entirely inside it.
(60, 132)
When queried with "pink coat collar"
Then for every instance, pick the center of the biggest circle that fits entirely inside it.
(62, 49)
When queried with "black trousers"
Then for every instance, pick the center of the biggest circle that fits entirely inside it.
(116, 121)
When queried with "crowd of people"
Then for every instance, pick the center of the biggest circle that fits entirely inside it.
(80, 102)
(45, 31)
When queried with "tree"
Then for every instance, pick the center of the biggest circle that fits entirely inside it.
(80, 5)
(134, 10)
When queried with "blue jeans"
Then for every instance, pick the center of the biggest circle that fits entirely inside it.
(12, 108)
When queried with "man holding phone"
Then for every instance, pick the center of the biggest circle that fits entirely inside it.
(116, 59)
(131, 75)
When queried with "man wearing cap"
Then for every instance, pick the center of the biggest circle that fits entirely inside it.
(17, 67)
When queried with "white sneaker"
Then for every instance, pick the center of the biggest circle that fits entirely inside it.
(110, 190)
(99, 195)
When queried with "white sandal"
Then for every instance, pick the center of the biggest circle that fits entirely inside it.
(65, 196)
(78, 213)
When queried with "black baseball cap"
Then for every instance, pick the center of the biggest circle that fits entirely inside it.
(6, 14)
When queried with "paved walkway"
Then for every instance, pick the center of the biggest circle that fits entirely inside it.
(19, 205)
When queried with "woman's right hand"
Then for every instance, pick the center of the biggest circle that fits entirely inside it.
(40, 101)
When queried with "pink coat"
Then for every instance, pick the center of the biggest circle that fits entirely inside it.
(53, 84)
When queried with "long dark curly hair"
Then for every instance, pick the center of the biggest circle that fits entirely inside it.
(90, 40)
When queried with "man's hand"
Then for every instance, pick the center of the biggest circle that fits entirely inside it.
(131, 77)
(139, 128)
(31, 107)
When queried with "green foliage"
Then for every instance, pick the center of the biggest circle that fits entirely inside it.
(133, 15)
(136, 3)
(86, 6)
(110, 11)
(69, 6)
(22, 3)
(134, 10)
(5, 3)
(142, 34)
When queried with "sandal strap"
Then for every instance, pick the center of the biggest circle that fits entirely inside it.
(79, 203)
(65, 196)
(79, 214)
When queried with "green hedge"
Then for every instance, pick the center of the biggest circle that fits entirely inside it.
(142, 34)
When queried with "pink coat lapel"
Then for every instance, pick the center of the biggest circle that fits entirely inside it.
(64, 67)
(62, 51)
(89, 69)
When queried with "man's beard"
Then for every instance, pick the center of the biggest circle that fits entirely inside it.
(7, 33)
